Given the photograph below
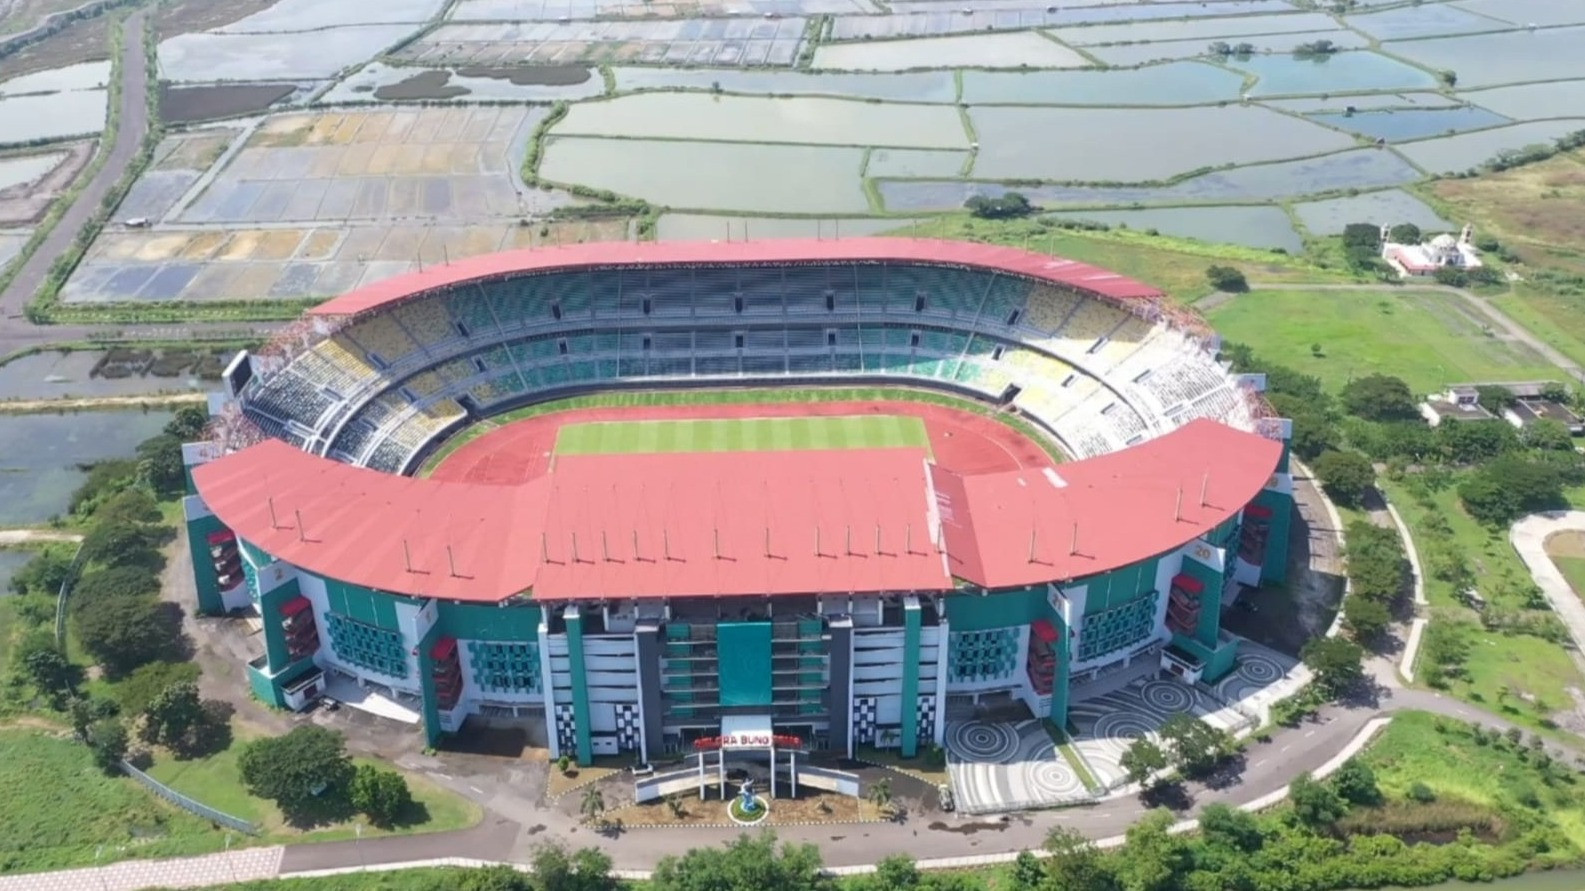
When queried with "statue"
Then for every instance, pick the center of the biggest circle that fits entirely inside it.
(746, 799)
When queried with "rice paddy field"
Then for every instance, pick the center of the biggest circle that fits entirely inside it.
(419, 131)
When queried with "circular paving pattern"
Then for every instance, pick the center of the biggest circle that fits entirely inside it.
(1053, 780)
(1258, 668)
(974, 741)
(1114, 732)
(1169, 697)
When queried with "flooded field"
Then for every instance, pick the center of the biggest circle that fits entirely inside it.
(1389, 207)
(1506, 58)
(81, 76)
(51, 375)
(377, 82)
(1356, 169)
(11, 242)
(918, 86)
(1125, 54)
(310, 55)
(1177, 83)
(905, 163)
(1252, 226)
(1196, 29)
(806, 119)
(1014, 50)
(313, 15)
(1339, 73)
(559, 10)
(1124, 145)
(1454, 154)
(40, 456)
(1531, 100)
(40, 116)
(1425, 20)
(26, 192)
(714, 175)
(179, 162)
(188, 104)
(704, 227)
(719, 42)
(1400, 125)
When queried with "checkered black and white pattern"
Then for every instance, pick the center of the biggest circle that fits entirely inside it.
(864, 719)
(566, 729)
(927, 717)
(627, 727)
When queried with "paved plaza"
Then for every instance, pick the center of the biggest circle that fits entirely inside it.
(1006, 767)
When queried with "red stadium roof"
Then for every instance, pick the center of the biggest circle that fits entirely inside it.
(1020, 527)
(1066, 273)
(698, 524)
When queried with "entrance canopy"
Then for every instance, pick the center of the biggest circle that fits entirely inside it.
(747, 732)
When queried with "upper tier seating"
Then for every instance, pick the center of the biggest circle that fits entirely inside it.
(391, 380)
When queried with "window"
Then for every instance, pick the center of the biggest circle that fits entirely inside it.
(919, 302)
(1012, 317)
(831, 338)
(737, 304)
(646, 306)
(913, 338)
(646, 341)
(996, 354)
(737, 339)
(461, 328)
(561, 346)
(555, 310)
(831, 301)
(478, 364)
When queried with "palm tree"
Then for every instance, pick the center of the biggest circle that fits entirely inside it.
(593, 805)
(880, 794)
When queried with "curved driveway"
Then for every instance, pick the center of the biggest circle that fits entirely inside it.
(1529, 537)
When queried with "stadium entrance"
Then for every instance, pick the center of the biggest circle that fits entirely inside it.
(748, 741)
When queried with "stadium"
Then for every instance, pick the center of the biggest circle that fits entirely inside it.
(652, 498)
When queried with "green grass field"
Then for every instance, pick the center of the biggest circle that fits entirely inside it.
(741, 435)
(1573, 569)
(1427, 339)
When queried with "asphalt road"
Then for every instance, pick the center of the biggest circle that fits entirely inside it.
(134, 125)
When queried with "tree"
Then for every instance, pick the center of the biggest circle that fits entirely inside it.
(1315, 804)
(1231, 828)
(43, 574)
(172, 714)
(1027, 871)
(51, 673)
(1313, 431)
(1155, 857)
(124, 544)
(1557, 392)
(1494, 399)
(880, 794)
(160, 464)
(101, 585)
(1508, 487)
(1008, 206)
(380, 794)
(124, 633)
(1470, 442)
(1404, 233)
(292, 770)
(588, 869)
(1226, 278)
(1548, 435)
(129, 506)
(749, 863)
(1075, 864)
(1197, 747)
(494, 878)
(593, 804)
(1338, 663)
(1346, 475)
(896, 872)
(104, 479)
(188, 424)
(1367, 617)
(107, 739)
(1142, 761)
(1355, 782)
(148, 681)
(1379, 397)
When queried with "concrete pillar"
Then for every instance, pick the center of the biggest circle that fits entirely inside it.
(839, 695)
(912, 619)
(651, 709)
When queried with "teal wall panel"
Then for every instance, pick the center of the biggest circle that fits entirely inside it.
(1274, 569)
(1210, 600)
(743, 651)
(270, 615)
(198, 532)
(998, 609)
(910, 699)
(580, 688)
(426, 682)
(256, 554)
(474, 621)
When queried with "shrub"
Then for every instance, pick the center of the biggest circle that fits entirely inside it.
(381, 794)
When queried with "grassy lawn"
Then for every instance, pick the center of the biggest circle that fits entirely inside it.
(1573, 569)
(741, 435)
(1521, 663)
(1414, 750)
(216, 781)
(1175, 265)
(1555, 318)
(736, 396)
(79, 814)
(1426, 339)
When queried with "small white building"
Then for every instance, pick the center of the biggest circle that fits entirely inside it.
(1427, 257)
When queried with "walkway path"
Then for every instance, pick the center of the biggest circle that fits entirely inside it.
(91, 403)
(10, 538)
(1529, 537)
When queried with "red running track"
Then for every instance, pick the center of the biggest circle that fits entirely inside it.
(960, 441)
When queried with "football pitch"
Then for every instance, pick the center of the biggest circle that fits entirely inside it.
(742, 435)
